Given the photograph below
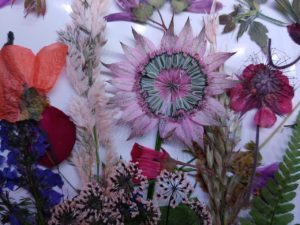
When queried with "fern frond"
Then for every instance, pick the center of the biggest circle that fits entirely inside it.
(273, 206)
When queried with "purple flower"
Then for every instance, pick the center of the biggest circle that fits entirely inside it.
(51, 197)
(263, 174)
(202, 6)
(11, 178)
(294, 32)
(48, 178)
(4, 2)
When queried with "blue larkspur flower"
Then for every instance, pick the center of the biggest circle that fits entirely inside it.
(51, 197)
(48, 178)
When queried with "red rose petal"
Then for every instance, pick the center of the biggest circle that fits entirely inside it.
(264, 117)
(61, 134)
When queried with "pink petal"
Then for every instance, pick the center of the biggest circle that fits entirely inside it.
(122, 16)
(199, 44)
(169, 39)
(166, 128)
(238, 101)
(282, 106)
(132, 112)
(128, 4)
(142, 125)
(215, 60)
(204, 118)
(143, 43)
(193, 132)
(214, 106)
(202, 6)
(134, 56)
(185, 37)
(121, 69)
(219, 83)
(264, 117)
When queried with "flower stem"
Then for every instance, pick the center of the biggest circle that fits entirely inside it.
(271, 20)
(255, 161)
(168, 209)
(97, 153)
(272, 64)
(158, 143)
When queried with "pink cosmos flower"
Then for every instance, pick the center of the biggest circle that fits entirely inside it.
(150, 162)
(263, 88)
(171, 87)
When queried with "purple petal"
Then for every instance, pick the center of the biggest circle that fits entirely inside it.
(186, 35)
(215, 60)
(263, 174)
(143, 43)
(4, 2)
(128, 4)
(169, 39)
(122, 16)
(202, 6)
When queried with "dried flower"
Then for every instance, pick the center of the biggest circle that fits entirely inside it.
(263, 88)
(262, 175)
(65, 213)
(124, 177)
(4, 2)
(294, 32)
(195, 6)
(170, 87)
(202, 211)
(173, 187)
(150, 162)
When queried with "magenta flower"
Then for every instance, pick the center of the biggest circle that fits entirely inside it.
(202, 6)
(262, 175)
(150, 162)
(171, 87)
(263, 88)
(4, 2)
(294, 32)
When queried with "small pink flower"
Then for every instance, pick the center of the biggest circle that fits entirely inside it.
(263, 88)
(149, 161)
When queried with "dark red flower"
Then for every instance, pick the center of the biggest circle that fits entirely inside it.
(263, 88)
(151, 162)
(61, 135)
(294, 32)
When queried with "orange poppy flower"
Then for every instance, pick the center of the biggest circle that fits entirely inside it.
(20, 69)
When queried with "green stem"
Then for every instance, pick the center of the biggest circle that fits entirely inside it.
(191, 160)
(97, 153)
(168, 209)
(279, 126)
(158, 143)
(271, 20)
(255, 161)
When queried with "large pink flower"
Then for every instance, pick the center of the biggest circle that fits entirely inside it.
(263, 88)
(170, 87)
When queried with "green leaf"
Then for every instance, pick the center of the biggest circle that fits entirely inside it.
(246, 222)
(180, 215)
(261, 1)
(243, 27)
(258, 34)
(274, 205)
(143, 12)
(296, 6)
(229, 27)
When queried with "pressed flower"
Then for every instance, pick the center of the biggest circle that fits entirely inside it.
(202, 211)
(195, 6)
(150, 162)
(61, 134)
(262, 175)
(20, 69)
(173, 187)
(4, 2)
(263, 88)
(124, 177)
(294, 32)
(65, 213)
(170, 87)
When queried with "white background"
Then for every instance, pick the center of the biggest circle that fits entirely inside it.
(33, 32)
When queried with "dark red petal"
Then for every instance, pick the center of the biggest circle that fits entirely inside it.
(238, 101)
(294, 32)
(283, 106)
(61, 135)
(264, 117)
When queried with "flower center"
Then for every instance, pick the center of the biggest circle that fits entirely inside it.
(172, 85)
(265, 82)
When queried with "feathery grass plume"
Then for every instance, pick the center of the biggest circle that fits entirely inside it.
(85, 37)
(274, 204)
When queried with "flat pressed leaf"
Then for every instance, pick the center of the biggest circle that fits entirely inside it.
(283, 219)
(283, 169)
(258, 217)
(244, 25)
(296, 7)
(288, 197)
(244, 221)
(285, 208)
(267, 196)
(262, 206)
(289, 188)
(258, 34)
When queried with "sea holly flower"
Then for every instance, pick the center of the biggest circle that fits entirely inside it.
(171, 87)
(263, 88)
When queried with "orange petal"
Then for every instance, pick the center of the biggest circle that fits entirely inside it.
(49, 63)
(10, 93)
(20, 62)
